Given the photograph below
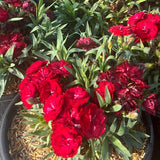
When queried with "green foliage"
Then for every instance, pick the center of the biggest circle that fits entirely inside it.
(122, 137)
(40, 129)
(55, 38)
(8, 69)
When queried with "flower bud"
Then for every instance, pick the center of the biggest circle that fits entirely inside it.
(110, 45)
(133, 115)
(120, 40)
(158, 53)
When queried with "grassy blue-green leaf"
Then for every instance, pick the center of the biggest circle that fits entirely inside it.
(16, 72)
(9, 53)
(131, 123)
(116, 108)
(88, 30)
(107, 96)
(59, 39)
(2, 84)
(105, 149)
(121, 131)
(113, 126)
(122, 150)
(48, 155)
(15, 19)
(100, 100)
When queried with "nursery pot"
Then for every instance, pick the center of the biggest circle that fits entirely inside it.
(4, 102)
(6, 121)
(156, 126)
(156, 122)
(11, 112)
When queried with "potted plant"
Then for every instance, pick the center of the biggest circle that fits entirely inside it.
(82, 89)
(143, 47)
(18, 50)
(99, 115)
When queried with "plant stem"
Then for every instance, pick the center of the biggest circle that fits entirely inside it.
(92, 149)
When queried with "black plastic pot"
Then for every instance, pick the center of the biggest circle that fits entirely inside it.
(4, 102)
(156, 126)
(11, 112)
(6, 120)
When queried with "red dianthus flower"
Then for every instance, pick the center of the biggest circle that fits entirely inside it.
(14, 2)
(34, 67)
(58, 67)
(120, 30)
(92, 121)
(29, 94)
(50, 87)
(76, 96)
(4, 16)
(65, 141)
(101, 88)
(151, 104)
(52, 107)
(6, 41)
(86, 44)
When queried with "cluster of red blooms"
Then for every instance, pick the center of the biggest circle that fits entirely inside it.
(7, 40)
(4, 16)
(129, 88)
(142, 26)
(70, 111)
(86, 44)
(73, 112)
(26, 6)
(15, 38)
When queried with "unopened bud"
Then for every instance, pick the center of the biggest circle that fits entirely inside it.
(158, 53)
(133, 115)
(130, 40)
(110, 45)
(120, 39)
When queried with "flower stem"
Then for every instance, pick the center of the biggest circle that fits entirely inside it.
(92, 149)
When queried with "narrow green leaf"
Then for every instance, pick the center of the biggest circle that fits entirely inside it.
(36, 126)
(19, 103)
(15, 19)
(35, 29)
(41, 146)
(69, 70)
(40, 55)
(48, 155)
(88, 30)
(113, 126)
(100, 100)
(146, 50)
(9, 53)
(105, 149)
(40, 132)
(122, 150)
(59, 39)
(131, 123)
(31, 116)
(107, 96)
(34, 41)
(121, 131)
(48, 139)
(16, 72)
(116, 108)
(2, 85)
